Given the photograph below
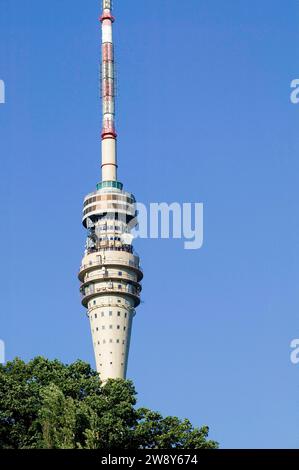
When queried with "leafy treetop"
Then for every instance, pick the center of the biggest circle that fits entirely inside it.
(47, 404)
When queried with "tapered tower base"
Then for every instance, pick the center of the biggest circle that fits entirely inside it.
(110, 275)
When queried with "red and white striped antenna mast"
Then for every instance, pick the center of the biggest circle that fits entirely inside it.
(109, 136)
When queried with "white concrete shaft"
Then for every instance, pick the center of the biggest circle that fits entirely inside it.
(110, 291)
(109, 160)
(111, 325)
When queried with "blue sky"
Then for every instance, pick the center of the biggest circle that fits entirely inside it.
(204, 115)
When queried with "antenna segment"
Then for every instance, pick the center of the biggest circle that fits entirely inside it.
(109, 136)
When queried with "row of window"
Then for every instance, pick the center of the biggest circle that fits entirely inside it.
(111, 342)
(126, 288)
(109, 219)
(127, 248)
(110, 328)
(105, 228)
(111, 239)
(110, 314)
(109, 197)
(113, 206)
(105, 273)
(110, 184)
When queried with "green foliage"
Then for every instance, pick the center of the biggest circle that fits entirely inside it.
(46, 404)
(57, 418)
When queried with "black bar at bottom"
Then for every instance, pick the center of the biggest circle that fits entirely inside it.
(137, 458)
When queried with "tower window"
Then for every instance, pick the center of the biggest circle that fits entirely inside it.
(117, 340)
(120, 273)
(126, 315)
(102, 314)
(110, 326)
(118, 327)
(96, 316)
(118, 314)
(125, 328)
(111, 341)
(103, 327)
(110, 314)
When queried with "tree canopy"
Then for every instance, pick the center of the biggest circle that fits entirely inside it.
(47, 404)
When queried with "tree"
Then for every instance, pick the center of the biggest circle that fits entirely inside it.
(46, 404)
(57, 418)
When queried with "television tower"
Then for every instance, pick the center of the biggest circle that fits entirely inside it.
(110, 273)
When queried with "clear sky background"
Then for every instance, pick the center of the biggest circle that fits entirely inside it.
(204, 115)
